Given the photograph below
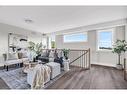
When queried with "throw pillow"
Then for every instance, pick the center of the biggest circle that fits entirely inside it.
(12, 56)
(24, 55)
(44, 53)
(51, 54)
(56, 55)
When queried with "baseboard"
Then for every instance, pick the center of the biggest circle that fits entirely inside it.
(102, 65)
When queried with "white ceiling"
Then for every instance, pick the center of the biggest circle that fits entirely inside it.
(47, 19)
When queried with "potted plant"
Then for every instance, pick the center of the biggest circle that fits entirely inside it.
(66, 53)
(119, 47)
(36, 48)
(52, 44)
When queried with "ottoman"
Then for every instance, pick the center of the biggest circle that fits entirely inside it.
(30, 76)
(55, 69)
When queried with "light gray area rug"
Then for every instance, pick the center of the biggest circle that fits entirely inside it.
(16, 79)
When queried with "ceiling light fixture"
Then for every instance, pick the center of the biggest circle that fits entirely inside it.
(28, 21)
(43, 34)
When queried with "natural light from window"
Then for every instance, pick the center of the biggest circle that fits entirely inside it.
(79, 37)
(105, 39)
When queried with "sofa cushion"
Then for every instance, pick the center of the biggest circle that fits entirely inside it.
(24, 55)
(60, 54)
(51, 54)
(12, 56)
(55, 55)
(44, 53)
(13, 61)
(51, 59)
(25, 59)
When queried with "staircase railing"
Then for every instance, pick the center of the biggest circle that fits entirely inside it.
(80, 58)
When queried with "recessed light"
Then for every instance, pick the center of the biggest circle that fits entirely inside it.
(28, 20)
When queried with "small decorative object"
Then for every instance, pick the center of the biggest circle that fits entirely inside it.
(66, 53)
(119, 47)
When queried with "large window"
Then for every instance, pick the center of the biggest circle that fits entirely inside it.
(105, 39)
(79, 37)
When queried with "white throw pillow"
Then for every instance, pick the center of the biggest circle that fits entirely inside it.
(44, 53)
(51, 54)
(12, 56)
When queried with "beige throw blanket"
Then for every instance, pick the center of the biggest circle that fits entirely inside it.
(41, 74)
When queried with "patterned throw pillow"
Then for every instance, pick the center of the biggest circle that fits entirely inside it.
(56, 54)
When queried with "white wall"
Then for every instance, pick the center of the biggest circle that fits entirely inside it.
(5, 29)
(97, 57)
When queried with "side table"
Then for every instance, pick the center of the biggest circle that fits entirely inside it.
(66, 64)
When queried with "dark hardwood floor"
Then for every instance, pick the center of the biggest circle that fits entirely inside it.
(98, 77)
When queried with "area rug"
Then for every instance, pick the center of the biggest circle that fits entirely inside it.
(15, 79)
(3, 85)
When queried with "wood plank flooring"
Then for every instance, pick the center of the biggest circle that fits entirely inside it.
(98, 77)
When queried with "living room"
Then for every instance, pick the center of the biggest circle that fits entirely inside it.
(57, 29)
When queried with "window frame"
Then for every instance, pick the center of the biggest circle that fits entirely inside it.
(84, 33)
(98, 37)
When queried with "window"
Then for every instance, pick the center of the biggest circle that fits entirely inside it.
(79, 37)
(51, 42)
(44, 42)
(105, 38)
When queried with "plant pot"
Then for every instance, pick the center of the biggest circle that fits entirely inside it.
(119, 66)
(66, 58)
